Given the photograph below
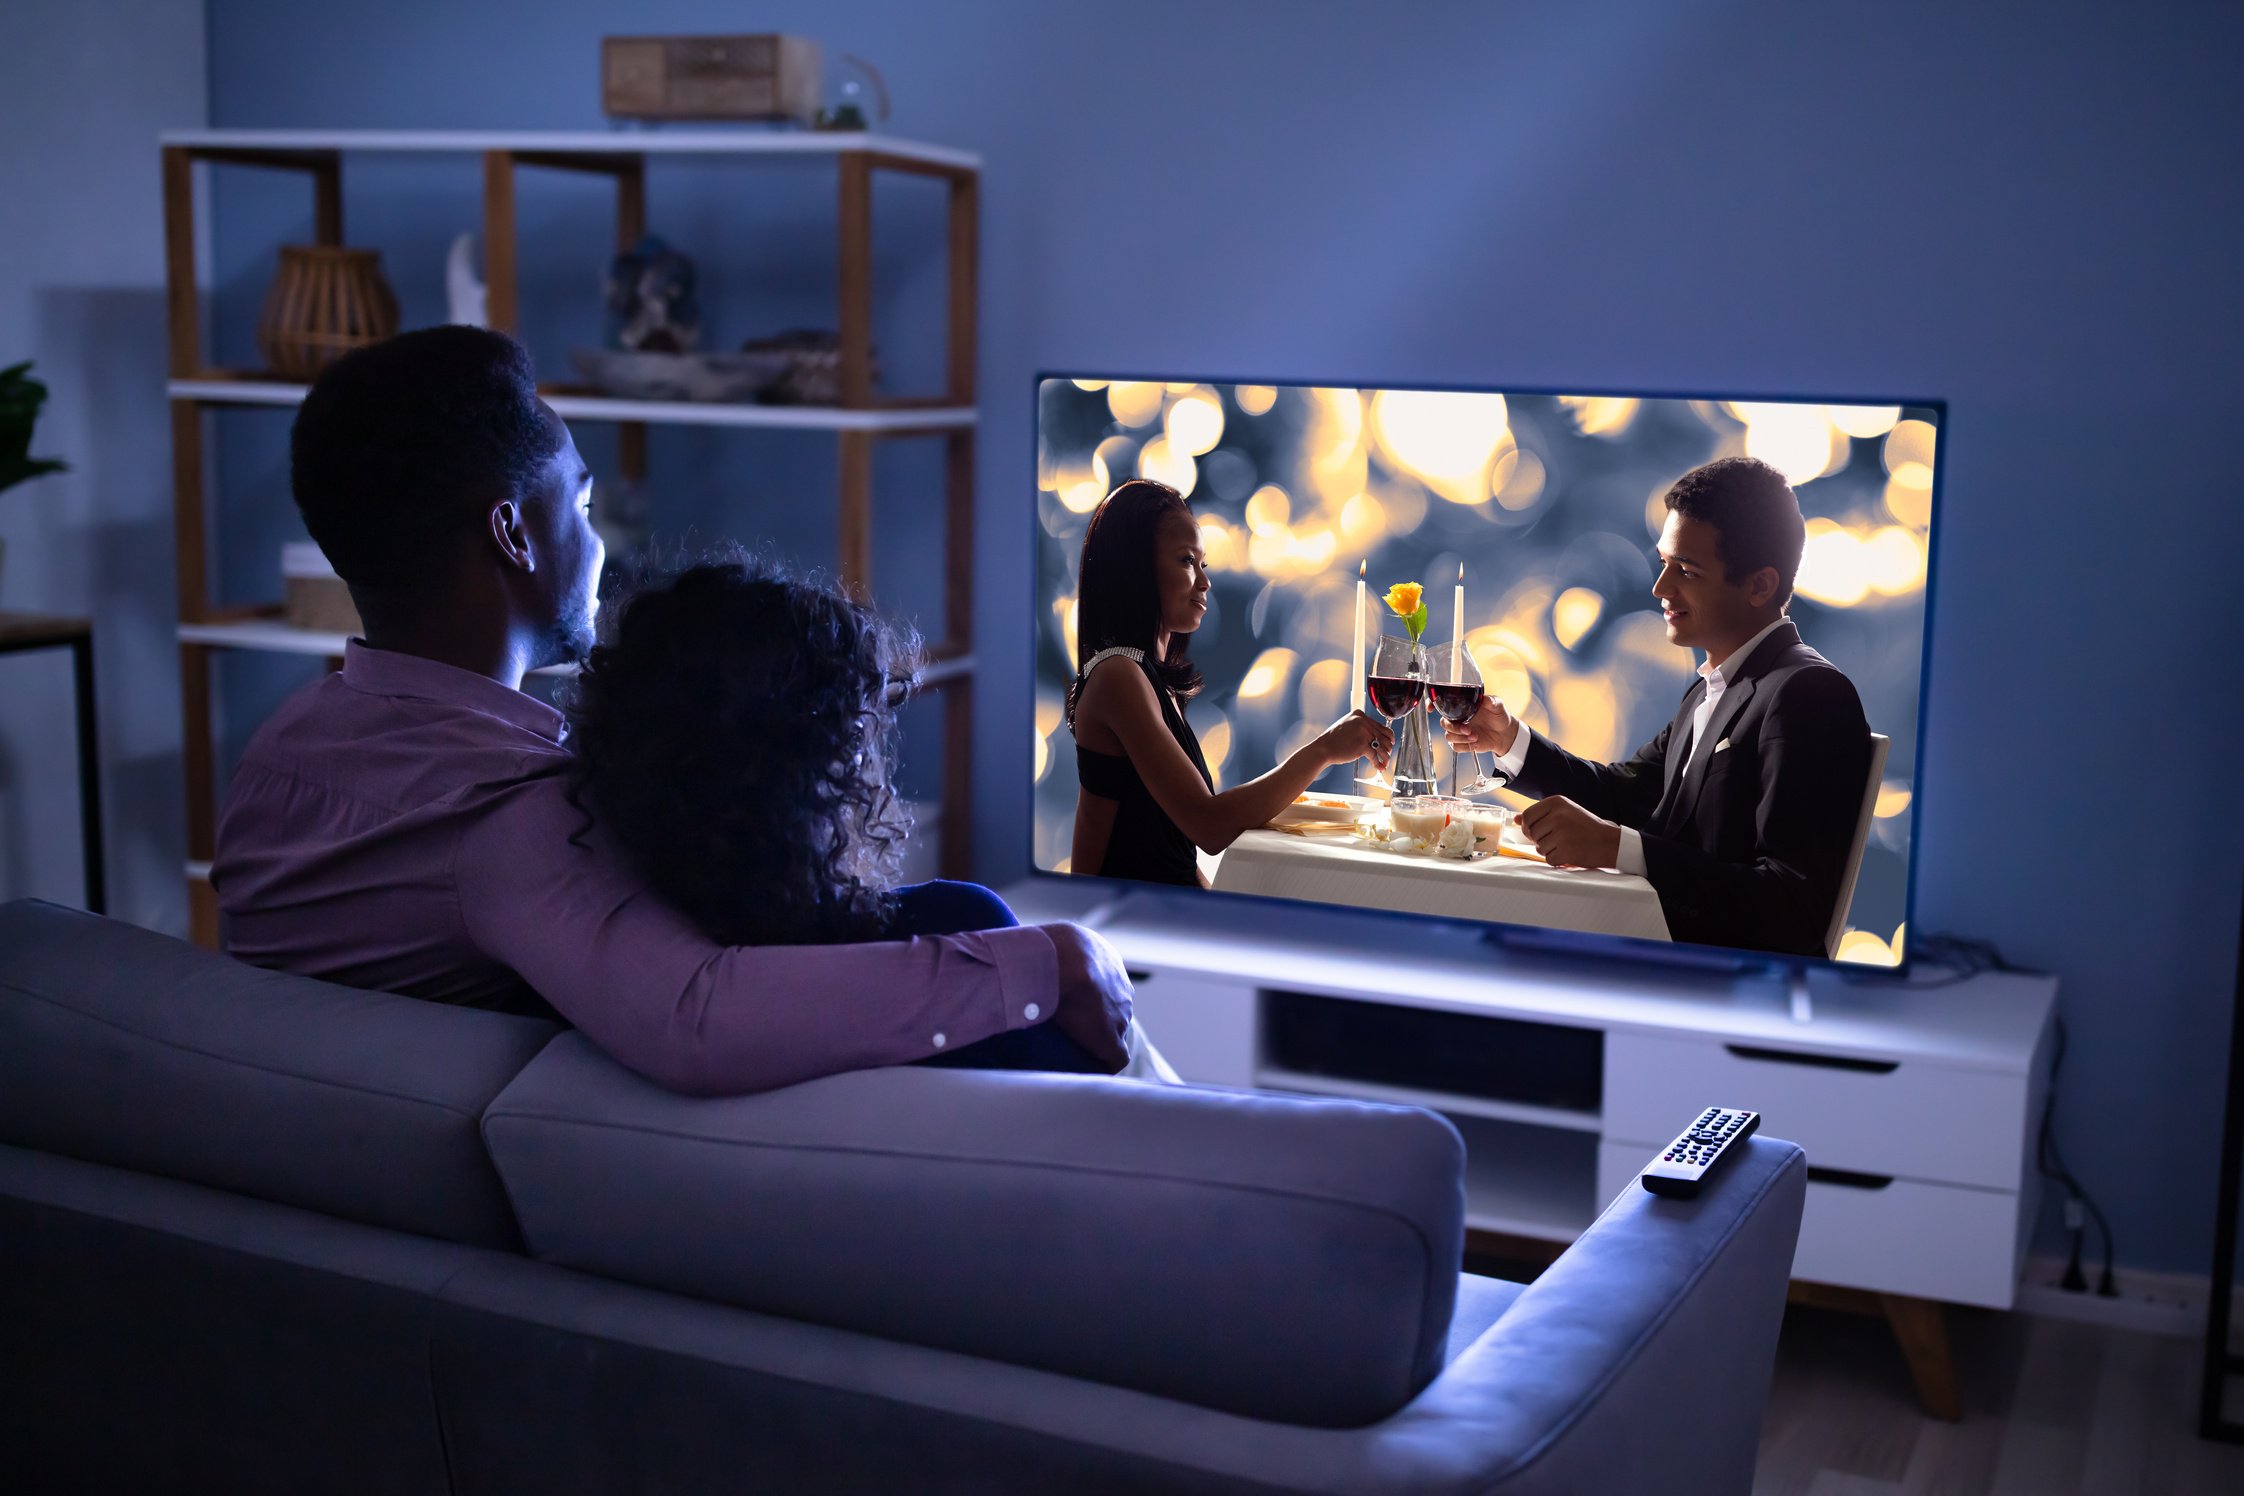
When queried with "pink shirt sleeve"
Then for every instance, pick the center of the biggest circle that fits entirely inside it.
(706, 1019)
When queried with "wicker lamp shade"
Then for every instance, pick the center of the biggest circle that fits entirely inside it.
(325, 301)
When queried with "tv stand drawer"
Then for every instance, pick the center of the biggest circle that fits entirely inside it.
(1930, 1241)
(1905, 1118)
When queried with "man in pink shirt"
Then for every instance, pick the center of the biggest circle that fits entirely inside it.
(402, 824)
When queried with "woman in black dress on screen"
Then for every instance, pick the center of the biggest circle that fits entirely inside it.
(1147, 803)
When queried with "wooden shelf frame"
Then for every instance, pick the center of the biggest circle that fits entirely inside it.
(861, 419)
(578, 402)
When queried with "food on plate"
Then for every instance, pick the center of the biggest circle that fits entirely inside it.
(1338, 809)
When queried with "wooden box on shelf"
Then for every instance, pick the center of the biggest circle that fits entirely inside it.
(709, 77)
(312, 596)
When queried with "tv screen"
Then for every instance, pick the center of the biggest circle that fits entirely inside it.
(1682, 637)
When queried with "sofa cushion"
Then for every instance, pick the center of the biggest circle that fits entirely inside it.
(1480, 1303)
(1286, 1259)
(124, 1047)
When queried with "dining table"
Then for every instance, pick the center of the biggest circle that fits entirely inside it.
(1324, 864)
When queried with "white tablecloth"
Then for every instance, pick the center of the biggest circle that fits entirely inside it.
(1333, 869)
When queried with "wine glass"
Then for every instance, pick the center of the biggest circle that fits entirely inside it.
(1395, 688)
(1456, 692)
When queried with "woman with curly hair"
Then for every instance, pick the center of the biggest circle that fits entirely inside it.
(732, 734)
(1147, 799)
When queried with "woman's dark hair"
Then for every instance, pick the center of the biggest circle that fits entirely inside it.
(1118, 600)
(399, 448)
(733, 733)
(1755, 515)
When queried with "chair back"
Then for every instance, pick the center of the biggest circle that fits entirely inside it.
(1879, 743)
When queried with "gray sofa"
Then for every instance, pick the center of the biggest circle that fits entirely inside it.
(259, 1233)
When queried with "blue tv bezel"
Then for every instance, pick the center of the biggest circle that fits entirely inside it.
(1577, 943)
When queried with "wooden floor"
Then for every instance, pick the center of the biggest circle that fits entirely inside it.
(2051, 1408)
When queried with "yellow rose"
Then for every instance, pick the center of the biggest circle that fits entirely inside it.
(1404, 597)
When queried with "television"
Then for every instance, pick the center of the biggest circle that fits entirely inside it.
(1555, 557)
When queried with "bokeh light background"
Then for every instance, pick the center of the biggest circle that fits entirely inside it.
(1553, 504)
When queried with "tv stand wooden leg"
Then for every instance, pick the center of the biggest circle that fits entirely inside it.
(1921, 1326)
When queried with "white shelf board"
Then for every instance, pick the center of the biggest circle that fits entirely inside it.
(275, 637)
(262, 634)
(1522, 1181)
(742, 141)
(958, 667)
(1270, 1078)
(654, 412)
(1987, 1023)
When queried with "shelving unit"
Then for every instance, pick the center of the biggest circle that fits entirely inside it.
(861, 419)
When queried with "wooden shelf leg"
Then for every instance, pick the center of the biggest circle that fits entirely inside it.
(631, 227)
(501, 305)
(957, 818)
(965, 229)
(182, 308)
(1921, 1327)
(855, 545)
(958, 540)
(327, 200)
(89, 774)
(202, 788)
(631, 204)
(190, 527)
(856, 302)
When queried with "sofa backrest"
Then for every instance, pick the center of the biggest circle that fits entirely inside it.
(1291, 1260)
(124, 1047)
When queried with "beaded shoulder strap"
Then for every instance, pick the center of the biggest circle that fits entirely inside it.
(1136, 656)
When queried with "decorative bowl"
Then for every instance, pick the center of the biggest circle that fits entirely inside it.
(708, 377)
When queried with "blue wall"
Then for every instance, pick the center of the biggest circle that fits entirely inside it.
(2027, 210)
(82, 294)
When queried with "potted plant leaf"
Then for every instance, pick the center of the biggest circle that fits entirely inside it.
(20, 399)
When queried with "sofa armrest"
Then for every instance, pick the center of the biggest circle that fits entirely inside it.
(1640, 1360)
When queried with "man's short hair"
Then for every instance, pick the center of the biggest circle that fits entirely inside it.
(1755, 515)
(403, 446)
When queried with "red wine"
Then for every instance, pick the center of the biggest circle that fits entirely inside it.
(1457, 703)
(1393, 695)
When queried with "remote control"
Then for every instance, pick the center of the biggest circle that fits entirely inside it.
(1684, 1164)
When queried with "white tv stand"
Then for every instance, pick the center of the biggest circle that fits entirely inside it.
(1918, 1107)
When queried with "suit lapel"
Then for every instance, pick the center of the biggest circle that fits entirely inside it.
(1672, 769)
(1733, 701)
(1702, 754)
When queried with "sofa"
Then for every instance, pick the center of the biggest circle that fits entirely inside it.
(262, 1233)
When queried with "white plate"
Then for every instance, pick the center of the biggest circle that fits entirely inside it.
(1302, 813)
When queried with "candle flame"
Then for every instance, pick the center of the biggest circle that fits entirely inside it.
(1360, 565)
(1460, 572)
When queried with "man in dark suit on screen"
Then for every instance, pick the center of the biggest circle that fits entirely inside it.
(1742, 810)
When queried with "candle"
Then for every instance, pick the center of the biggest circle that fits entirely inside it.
(1457, 630)
(1356, 675)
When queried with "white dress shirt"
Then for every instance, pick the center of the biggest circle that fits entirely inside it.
(1631, 856)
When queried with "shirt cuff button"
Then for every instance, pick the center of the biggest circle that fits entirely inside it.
(941, 1040)
(1032, 1012)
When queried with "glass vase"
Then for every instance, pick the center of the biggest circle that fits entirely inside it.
(1414, 743)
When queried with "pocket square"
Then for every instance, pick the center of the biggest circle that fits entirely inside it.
(1718, 747)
